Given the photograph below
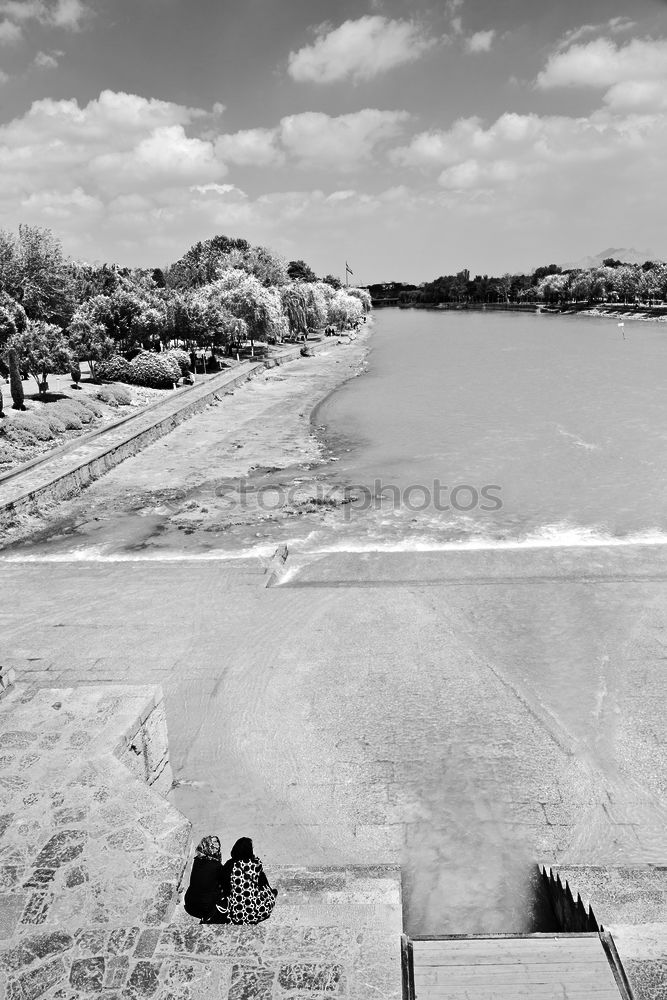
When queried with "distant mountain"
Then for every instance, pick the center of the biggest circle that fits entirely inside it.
(627, 255)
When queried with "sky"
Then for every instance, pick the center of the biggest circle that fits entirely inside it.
(410, 139)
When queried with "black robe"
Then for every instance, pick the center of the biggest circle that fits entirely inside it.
(205, 889)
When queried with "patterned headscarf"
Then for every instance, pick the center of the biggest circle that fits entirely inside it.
(208, 847)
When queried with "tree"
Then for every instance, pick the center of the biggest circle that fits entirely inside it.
(362, 295)
(331, 279)
(246, 298)
(42, 348)
(12, 318)
(33, 271)
(88, 340)
(298, 270)
(15, 380)
(201, 264)
(265, 265)
(295, 300)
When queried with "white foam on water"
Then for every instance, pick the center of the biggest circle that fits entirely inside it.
(93, 554)
(548, 537)
(556, 536)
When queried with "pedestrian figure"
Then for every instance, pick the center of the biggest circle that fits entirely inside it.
(206, 883)
(247, 895)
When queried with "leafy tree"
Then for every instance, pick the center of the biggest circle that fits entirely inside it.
(363, 296)
(88, 340)
(295, 302)
(12, 318)
(246, 298)
(42, 348)
(543, 272)
(33, 271)
(201, 264)
(298, 270)
(261, 262)
(331, 279)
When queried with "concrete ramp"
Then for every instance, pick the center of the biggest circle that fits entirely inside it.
(534, 967)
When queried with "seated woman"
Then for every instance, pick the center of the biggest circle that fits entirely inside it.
(249, 896)
(206, 883)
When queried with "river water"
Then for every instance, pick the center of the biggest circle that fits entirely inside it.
(476, 429)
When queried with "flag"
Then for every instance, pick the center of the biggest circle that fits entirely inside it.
(348, 269)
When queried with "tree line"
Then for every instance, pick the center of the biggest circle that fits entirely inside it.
(56, 312)
(613, 281)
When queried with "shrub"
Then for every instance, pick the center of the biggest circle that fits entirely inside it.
(88, 404)
(7, 453)
(116, 369)
(53, 420)
(182, 359)
(114, 395)
(38, 427)
(153, 371)
(17, 434)
(68, 415)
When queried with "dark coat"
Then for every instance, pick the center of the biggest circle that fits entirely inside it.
(205, 889)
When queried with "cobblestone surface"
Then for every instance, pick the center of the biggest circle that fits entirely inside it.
(92, 873)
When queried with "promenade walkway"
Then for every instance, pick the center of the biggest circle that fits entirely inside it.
(64, 471)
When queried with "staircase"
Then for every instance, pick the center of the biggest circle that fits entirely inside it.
(499, 967)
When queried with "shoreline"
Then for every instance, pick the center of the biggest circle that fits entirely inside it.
(261, 433)
(652, 314)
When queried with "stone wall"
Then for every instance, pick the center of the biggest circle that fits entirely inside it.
(144, 750)
(7, 678)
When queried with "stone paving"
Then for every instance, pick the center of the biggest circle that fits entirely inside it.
(93, 866)
(631, 903)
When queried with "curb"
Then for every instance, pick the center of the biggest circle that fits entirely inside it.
(70, 481)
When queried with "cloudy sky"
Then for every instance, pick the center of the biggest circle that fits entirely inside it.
(412, 139)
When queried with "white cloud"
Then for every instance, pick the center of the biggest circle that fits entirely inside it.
(637, 95)
(313, 139)
(253, 146)
(343, 142)
(549, 150)
(124, 174)
(358, 50)
(615, 26)
(118, 141)
(68, 14)
(47, 60)
(481, 41)
(601, 64)
(9, 32)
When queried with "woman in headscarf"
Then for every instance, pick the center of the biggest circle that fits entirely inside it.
(246, 887)
(206, 883)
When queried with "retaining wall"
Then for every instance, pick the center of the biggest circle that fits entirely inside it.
(51, 478)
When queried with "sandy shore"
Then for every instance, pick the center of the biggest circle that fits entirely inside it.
(203, 485)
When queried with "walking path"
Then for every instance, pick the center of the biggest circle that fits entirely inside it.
(63, 472)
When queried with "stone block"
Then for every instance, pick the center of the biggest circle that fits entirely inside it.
(11, 908)
(87, 974)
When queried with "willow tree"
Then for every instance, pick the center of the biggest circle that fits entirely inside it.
(295, 300)
(260, 308)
